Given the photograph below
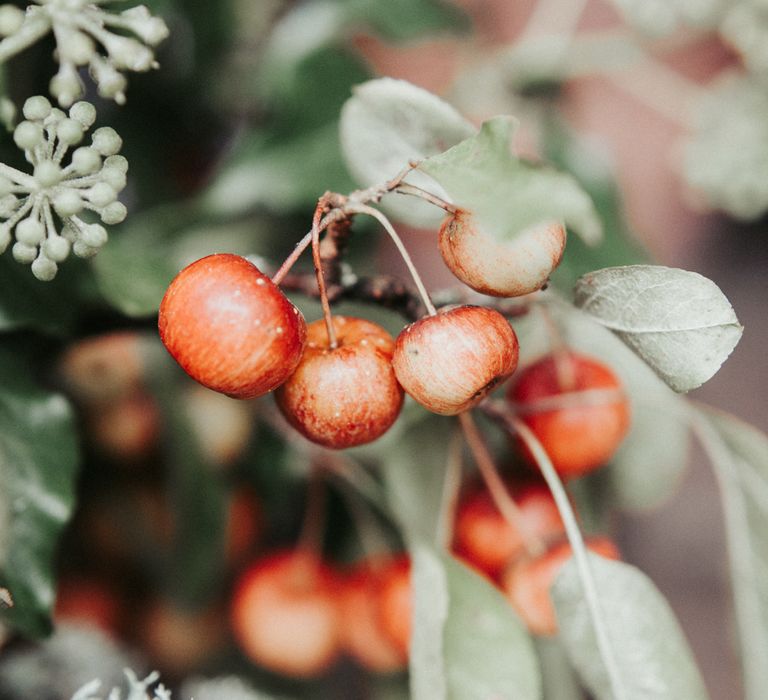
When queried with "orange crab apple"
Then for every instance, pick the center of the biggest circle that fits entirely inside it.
(343, 396)
(230, 327)
(504, 268)
(450, 361)
(527, 582)
(285, 614)
(576, 407)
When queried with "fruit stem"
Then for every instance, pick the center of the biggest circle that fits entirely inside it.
(384, 221)
(576, 540)
(372, 540)
(311, 535)
(564, 365)
(333, 342)
(289, 262)
(408, 188)
(450, 497)
(496, 487)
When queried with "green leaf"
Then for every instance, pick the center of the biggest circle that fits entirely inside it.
(653, 659)
(559, 680)
(649, 463)
(679, 322)
(401, 20)
(739, 453)
(505, 194)
(38, 466)
(388, 123)
(488, 652)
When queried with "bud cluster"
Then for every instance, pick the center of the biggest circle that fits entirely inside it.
(85, 36)
(42, 210)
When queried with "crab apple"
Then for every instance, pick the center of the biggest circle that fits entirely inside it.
(450, 361)
(580, 431)
(126, 429)
(343, 396)
(395, 603)
(230, 327)
(88, 601)
(285, 614)
(488, 541)
(361, 632)
(527, 582)
(502, 268)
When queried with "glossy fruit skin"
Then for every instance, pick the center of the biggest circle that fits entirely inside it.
(527, 583)
(362, 635)
(347, 395)
(578, 438)
(488, 542)
(230, 327)
(500, 268)
(395, 611)
(449, 362)
(285, 614)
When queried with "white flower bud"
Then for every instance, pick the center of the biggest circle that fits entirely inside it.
(30, 231)
(11, 19)
(106, 141)
(27, 135)
(75, 47)
(23, 253)
(117, 162)
(56, 248)
(44, 269)
(8, 205)
(86, 160)
(101, 194)
(36, 108)
(48, 173)
(68, 203)
(83, 112)
(128, 53)
(93, 235)
(114, 177)
(151, 30)
(69, 131)
(114, 213)
(65, 85)
(83, 250)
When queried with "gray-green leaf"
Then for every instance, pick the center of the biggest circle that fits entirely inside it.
(679, 322)
(740, 457)
(508, 195)
(653, 659)
(386, 124)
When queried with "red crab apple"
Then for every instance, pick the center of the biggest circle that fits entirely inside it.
(450, 361)
(485, 538)
(343, 396)
(503, 268)
(361, 632)
(395, 603)
(285, 615)
(575, 406)
(230, 327)
(527, 583)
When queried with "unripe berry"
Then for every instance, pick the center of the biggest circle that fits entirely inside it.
(230, 327)
(487, 540)
(451, 361)
(579, 430)
(285, 616)
(344, 396)
(527, 583)
(504, 268)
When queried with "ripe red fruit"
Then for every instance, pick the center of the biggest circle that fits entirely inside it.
(450, 361)
(488, 542)
(504, 268)
(361, 632)
(88, 601)
(527, 583)
(347, 395)
(579, 432)
(285, 615)
(395, 609)
(230, 327)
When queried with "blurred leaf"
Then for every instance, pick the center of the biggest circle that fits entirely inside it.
(740, 458)
(488, 651)
(430, 610)
(559, 680)
(401, 20)
(648, 465)
(679, 322)
(387, 123)
(653, 659)
(505, 194)
(38, 467)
